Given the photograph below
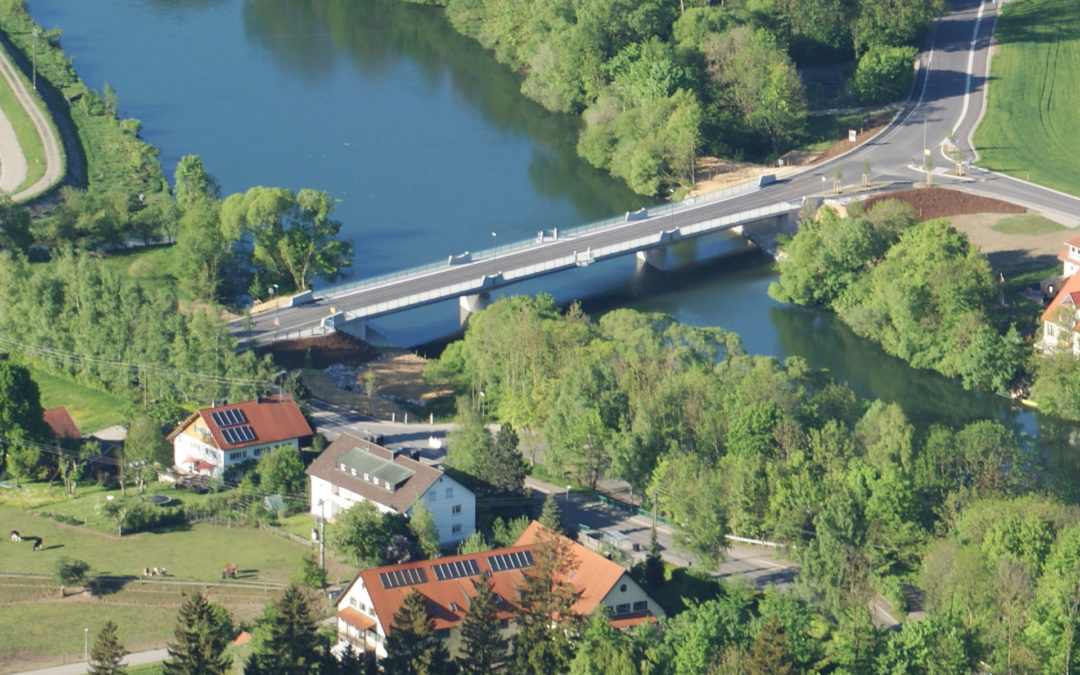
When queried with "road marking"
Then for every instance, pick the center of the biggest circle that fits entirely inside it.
(970, 67)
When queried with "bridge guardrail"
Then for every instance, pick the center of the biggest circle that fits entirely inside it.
(337, 290)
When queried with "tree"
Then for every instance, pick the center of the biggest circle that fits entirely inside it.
(506, 468)
(363, 532)
(285, 640)
(551, 514)
(769, 653)
(884, 74)
(15, 232)
(145, 448)
(69, 571)
(412, 647)
(22, 424)
(422, 525)
(693, 497)
(203, 633)
(282, 470)
(654, 564)
(194, 183)
(107, 652)
(482, 643)
(544, 611)
(310, 574)
(605, 650)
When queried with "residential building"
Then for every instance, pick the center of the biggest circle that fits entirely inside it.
(1070, 257)
(213, 439)
(365, 611)
(1061, 319)
(354, 470)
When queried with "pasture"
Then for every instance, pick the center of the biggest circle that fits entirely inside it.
(1031, 129)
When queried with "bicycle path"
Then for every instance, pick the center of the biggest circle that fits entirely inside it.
(13, 166)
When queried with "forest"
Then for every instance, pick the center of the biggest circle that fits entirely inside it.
(658, 83)
(960, 522)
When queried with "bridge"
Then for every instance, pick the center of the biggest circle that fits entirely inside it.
(946, 102)
(472, 276)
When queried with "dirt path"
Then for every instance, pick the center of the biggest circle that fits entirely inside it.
(13, 167)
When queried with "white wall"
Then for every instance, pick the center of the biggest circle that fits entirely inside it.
(441, 498)
(633, 594)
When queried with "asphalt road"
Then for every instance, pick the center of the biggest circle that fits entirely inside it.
(13, 166)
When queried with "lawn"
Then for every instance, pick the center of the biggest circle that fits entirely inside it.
(32, 613)
(1030, 224)
(26, 133)
(1031, 129)
(91, 409)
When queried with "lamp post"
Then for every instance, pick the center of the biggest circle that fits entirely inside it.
(567, 494)
(86, 644)
(494, 246)
(33, 58)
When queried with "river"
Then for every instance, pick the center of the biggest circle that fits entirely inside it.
(428, 149)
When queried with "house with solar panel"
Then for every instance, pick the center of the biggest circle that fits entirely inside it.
(353, 470)
(365, 611)
(211, 440)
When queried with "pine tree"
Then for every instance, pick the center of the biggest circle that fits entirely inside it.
(203, 632)
(107, 652)
(285, 639)
(654, 564)
(482, 644)
(551, 515)
(545, 615)
(769, 653)
(412, 647)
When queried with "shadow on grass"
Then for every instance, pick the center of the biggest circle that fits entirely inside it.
(108, 585)
(1039, 21)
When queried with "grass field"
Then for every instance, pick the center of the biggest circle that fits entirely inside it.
(1029, 224)
(26, 132)
(1031, 129)
(32, 613)
(151, 266)
(91, 409)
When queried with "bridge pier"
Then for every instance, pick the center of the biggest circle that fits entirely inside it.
(357, 328)
(657, 258)
(470, 304)
(763, 233)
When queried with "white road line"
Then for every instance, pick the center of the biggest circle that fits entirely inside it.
(970, 68)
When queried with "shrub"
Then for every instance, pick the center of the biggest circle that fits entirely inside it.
(884, 74)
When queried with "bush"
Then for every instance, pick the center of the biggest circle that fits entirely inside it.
(884, 74)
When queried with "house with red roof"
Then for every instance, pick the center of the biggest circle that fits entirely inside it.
(365, 611)
(353, 470)
(1070, 257)
(1061, 319)
(212, 439)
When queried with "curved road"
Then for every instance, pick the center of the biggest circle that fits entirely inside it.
(947, 100)
(13, 167)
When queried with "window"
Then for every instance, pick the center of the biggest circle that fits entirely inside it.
(622, 588)
(641, 606)
(443, 633)
(432, 496)
(449, 492)
(352, 601)
(504, 623)
(456, 529)
(622, 609)
(334, 490)
(456, 510)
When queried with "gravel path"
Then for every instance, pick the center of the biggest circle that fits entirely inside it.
(13, 167)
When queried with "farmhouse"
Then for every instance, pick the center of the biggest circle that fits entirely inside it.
(365, 611)
(211, 440)
(354, 470)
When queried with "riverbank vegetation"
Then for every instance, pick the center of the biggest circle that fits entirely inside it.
(920, 290)
(659, 83)
(1028, 129)
(730, 442)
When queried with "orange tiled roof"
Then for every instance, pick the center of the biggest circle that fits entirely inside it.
(1068, 295)
(273, 419)
(448, 600)
(1075, 241)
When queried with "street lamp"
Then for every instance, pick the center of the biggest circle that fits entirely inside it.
(33, 69)
(494, 246)
(86, 644)
(567, 494)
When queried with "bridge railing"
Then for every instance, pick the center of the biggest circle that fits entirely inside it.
(487, 254)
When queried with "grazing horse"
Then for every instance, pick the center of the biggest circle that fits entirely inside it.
(229, 572)
(37, 543)
(15, 536)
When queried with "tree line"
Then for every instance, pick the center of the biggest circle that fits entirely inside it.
(659, 82)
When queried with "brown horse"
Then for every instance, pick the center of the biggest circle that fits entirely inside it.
(229, 572)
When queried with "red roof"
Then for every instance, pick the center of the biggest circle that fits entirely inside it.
(274, 419)
(356, 618)
(447, 597)
(1069, 295)
(59, 420)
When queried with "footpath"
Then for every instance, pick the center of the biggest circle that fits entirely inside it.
(136, 659)
(13, 165)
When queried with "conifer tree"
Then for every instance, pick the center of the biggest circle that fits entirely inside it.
(412, 647)
(769, 653)
(107, 652)
(545, 615)
(285, 638)
(654, 564)
(551, 515)
(482, 645)
(203, 632)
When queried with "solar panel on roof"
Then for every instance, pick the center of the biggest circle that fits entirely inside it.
(229, 418)
(510, 561)
(218, 419)
(399, 578)
(246, 433)
(456, 570)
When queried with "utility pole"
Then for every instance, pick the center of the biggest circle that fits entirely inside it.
(655, 501)
(33, 70)
(322, 534)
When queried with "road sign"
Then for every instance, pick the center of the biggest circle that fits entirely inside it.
(851, 135)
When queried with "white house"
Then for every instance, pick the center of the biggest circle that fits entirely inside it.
(365, 611)
(1070, 257)
(213, 439)
(1061, 319)
(354, 470)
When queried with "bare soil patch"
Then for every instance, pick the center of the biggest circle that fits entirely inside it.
(939, 202)
(320, 352)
